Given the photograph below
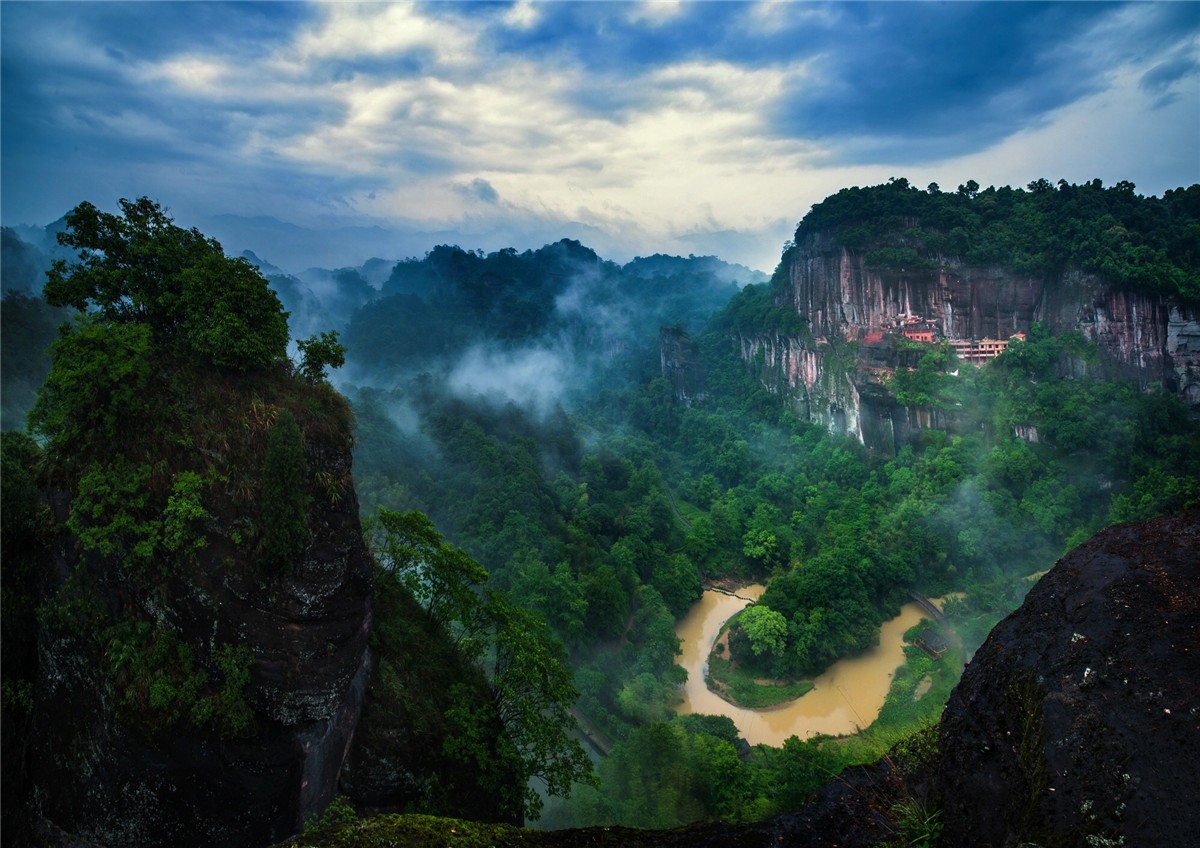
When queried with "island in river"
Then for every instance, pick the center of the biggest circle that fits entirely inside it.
(844, 699)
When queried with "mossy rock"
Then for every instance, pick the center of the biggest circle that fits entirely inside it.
(414, 831)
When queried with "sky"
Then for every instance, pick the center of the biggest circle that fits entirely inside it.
(636, 128)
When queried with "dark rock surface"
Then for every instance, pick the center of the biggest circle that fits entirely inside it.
(1078, 720)
(107, 778)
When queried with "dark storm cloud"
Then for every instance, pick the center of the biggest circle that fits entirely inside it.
(912, 83)
(1160, 81)
(479, 189)
(82, 121)
(922, 81)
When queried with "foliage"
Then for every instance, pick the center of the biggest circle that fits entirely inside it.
(107, 513)
(1146, 243)
(183, 512)
(284, 502)
(918, 823)
(529, 680)
(605, 518)
(532, 687)
(443, 578)
(156, 420)
(140, 269)
(755, 310)
(765, 628)
(19, 591)
(28, 326)
(744, 688)
(339, 813)
(668, 773)
(97, 384)
(318, 353)
(160, 684)
(416, 831)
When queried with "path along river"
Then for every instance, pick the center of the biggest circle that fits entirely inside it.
(846, 697)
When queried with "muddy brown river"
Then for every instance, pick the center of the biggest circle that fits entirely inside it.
(848, 696)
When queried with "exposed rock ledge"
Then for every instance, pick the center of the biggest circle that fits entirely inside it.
(1078, 720)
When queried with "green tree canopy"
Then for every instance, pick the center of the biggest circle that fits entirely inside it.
(530, 682)
(766, 629)
(139, 268)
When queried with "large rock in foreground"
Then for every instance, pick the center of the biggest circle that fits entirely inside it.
(1078, 720)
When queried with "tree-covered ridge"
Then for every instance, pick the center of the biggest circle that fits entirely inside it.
(1151, 244)
(434, 308)
(171, 425)
(140, 269)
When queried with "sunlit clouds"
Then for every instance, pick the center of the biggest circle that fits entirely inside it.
(643, 126)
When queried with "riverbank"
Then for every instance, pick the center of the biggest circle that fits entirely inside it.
(845, 699)
(742, 688)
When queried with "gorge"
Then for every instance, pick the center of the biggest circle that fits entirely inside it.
(190, 594)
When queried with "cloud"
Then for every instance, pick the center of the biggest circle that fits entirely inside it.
(479, 189)
(638, 125)
(536, 376)
(1160, 81)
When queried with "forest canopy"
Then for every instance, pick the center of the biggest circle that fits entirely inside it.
(1150, 244)
(140, 268)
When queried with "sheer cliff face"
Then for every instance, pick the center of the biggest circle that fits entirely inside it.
(1141, 337)
(114, 773)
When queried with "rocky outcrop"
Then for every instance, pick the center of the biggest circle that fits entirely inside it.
(1077, 721)
(679, 363)
(846, 305)
(115, 773)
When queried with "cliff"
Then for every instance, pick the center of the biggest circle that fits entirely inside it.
(208, 698)
(847, 305)
(866, 265)
(1076, 723)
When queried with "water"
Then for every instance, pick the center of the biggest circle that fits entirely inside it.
(847, 697)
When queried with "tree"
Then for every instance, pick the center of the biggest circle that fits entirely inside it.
(766, 629)
(443, 579)
(319, 352)
(528, 676)
(139, 268)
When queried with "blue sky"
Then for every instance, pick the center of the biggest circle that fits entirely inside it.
(636, 127)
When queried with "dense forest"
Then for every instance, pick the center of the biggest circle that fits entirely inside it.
(1144, 243)
(512, 423)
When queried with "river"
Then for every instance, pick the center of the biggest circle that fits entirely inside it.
(848, 696)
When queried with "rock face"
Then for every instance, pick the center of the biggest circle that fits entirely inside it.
(678, 357)
(108, 777)
(1078, 721)
(1146, 338)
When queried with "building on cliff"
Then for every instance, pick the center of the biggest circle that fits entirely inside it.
(977, 351)
(917, 329)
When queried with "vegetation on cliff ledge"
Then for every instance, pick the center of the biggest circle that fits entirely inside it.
(1145, 243)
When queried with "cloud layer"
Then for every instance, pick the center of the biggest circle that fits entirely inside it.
(657, 125)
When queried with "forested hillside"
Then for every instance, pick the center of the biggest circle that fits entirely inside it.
(188, 597)
(1149, 244)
